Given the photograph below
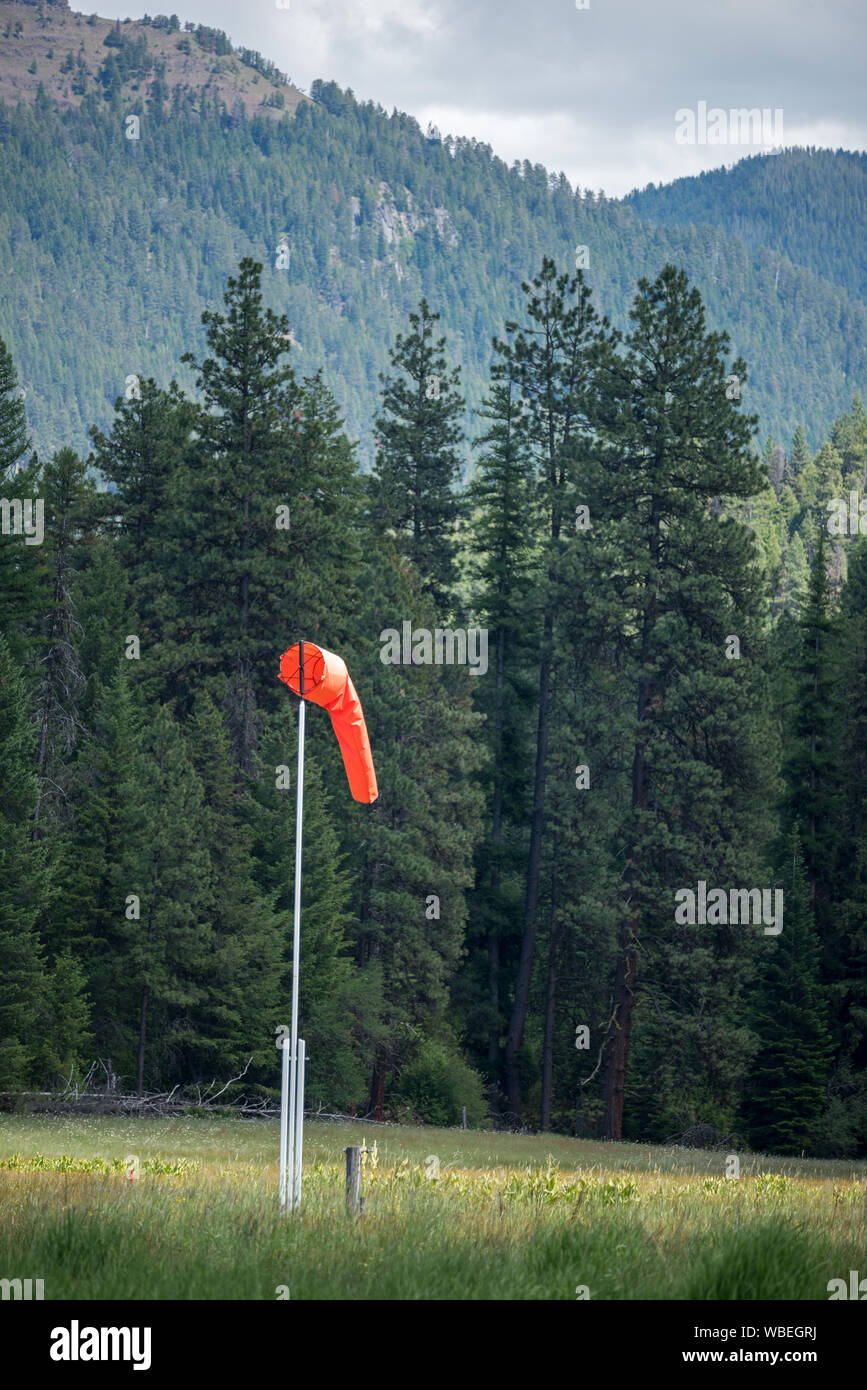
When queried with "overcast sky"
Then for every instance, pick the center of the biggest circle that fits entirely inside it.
(592, 92)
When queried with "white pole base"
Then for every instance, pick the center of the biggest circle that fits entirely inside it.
(292, 1125)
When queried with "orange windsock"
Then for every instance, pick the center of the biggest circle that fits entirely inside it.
(327, 682)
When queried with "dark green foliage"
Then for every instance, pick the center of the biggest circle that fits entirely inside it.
(242, 977)
(417, 469)
(22, 873)
(22, 573)
(118, 249)
(159, 891)
(551, 358)
(676, 579)
(844, 897)
(770, 203)
(535, 818)
(437, 1086)
(13, 417)
(499, 501)
(813, 766)
(260, 507)
(417, 841)
(785, 1092)
(86, 915)
(70, 512)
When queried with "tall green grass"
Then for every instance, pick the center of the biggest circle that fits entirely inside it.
(508, 1217)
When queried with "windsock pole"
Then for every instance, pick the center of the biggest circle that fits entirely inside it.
(329, 685)
(290, 1186)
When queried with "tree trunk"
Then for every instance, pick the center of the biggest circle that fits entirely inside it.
(620, 1025)
(377, 1092)
(550, 1000)
(494, 994)
(48, 688)
(618, 1047)
(496, 838)
(142, 1034)
(145, 994)
(528, 945)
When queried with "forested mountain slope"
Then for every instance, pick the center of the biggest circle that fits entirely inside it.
(112, 245)
(805, 205)
(673, 696)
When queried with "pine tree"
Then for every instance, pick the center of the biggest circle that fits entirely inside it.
(86, 918)
(138, 460)
(325, 552)
(22, 568)
(417, 469)
(107, 618)
(70, 504)
(553, 371)
(229, 555)
(241, 990)
(849, 438)
(579, 888)
(775, 462)
(261, 511)
(14, 441)
(413, 850)
(799, 455)
(846, 1122)
(813, 766)
(66, 1037)
(503, 540)
(679, 580)
(787, 1085)
(22, 873)
(845, 928)
(160, 891)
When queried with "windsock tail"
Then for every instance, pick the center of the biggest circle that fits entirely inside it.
(327, 682)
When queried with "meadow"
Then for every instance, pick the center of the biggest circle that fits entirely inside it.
(449, 1214)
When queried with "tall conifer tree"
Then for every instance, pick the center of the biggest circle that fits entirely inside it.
(162, 884)
(504, 548)
(786, 1090)
(674, 452)
(22, 874)
(553, 370)
(70, 510)
(23, 582)
(416, 473)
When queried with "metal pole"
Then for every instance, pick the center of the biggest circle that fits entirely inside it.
(299, 1124)
(284, 1122)
(296, 934)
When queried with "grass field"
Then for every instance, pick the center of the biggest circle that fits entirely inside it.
(508, 1217)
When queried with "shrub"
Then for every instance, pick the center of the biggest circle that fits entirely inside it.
(437, 1083)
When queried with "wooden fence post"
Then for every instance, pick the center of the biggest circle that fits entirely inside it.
(353, 1178)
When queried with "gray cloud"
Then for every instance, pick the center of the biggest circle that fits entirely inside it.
(592, 92)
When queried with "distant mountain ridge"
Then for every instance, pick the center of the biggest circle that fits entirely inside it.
(803, 205)
(69, 51)
(115, 235)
